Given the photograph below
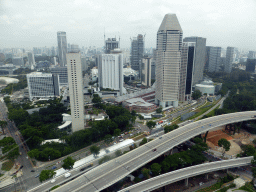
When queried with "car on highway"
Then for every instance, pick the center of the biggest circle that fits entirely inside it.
(54, 167)
(37, 175)
(53, 181)
(32, 170)
(121, 140)
(160, 137)
(154, 149)
(67, 175)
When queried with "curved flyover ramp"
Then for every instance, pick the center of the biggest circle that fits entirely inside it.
(171, 177)
(109, 173)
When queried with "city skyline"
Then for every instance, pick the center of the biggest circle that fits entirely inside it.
(37, 24)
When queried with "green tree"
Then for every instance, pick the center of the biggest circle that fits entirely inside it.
(170, 128)
(159, 110)
(118, 153)
(249, 150)
(144, 141)
(96, 100)
(117, 132)
(145, 172)
(68, 163)
(196, 94)
(151, 125)
(3, 124)
(95, 150)
(133, 113)
(254, 172)
(155, 168)
(140, 117)
(108, 139)
(46, 174)
(104, 159)
(34, 153)
(225, 144)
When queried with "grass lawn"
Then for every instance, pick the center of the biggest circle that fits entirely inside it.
(211, 188)
(7, 165)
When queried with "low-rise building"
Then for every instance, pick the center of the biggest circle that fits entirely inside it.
(139, 105)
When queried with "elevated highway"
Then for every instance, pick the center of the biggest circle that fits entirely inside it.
(109, 173)
(171, 177)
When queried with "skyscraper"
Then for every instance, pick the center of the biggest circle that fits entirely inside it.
(146, 71)
(252, 55)
(110, 72)
(62, 48)
(199, 58)
(190, 67)
(137, 52)
(168, 62)
(75, 82)
(62, 72)
(214, 61)
(111, 44)
(250, 65)
(31, 60)
(229, 59)
(43, 85)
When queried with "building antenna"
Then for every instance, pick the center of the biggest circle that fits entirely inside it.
(104, 39)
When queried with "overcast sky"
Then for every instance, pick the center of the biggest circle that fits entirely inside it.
(34, 23)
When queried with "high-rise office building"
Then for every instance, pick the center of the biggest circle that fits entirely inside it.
(168, 61)
(62, 72)
(146, 71)
(190, 67)
(199, 59)
(111, 44)
(74, 48)
(252, 55)
(43, 85)
(153, 65)
(62, 48)
(110, 70)
(250, 65)
(213, 59)
(183, 72)
(31, 60)
(18, 61)
(75, 82)
(137, 52)
(229, 59)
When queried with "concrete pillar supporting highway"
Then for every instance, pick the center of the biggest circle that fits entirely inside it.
(186, 182)
(171, 151)
(207, 176)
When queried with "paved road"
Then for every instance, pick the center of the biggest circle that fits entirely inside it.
(171, 177)
(11, 130)
(114, 170)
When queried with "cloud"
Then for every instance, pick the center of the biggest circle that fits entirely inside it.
(4, 19)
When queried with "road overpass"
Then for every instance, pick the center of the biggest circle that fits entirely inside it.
(171, 177)
(109, 173)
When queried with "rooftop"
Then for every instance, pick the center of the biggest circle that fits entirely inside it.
(170, 22)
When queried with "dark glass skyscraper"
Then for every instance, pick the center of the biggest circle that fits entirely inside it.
(62, 48)
(199, 60)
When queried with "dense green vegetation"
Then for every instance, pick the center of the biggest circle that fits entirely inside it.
(46, 174)
(42, 125)
(10, 88)
(22, 71)
(196, 94)
(10, 148)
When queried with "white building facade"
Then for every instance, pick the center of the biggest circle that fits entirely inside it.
(110, 74)
(43, 85)
(75, 81)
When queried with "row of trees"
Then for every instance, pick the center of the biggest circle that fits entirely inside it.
(10, 88)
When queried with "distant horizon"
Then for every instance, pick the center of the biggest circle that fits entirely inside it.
(27, 23)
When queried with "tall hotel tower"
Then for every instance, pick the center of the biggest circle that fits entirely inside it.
(62, 48)
(75, 81)
(168, 61)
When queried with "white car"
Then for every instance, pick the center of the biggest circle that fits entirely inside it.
(67, 175)
(121, 140)
(53, 181)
